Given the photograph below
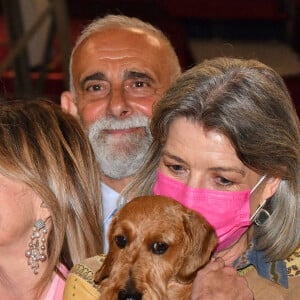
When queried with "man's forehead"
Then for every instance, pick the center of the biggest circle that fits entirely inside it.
(118, 52)
(151, 38)
(120, 37)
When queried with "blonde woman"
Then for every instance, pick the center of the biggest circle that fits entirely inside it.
(50, 206)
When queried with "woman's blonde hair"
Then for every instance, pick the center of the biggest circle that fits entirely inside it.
(249, 103)
(48, 150)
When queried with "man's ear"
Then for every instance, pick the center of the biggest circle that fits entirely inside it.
(67, 103)
(271, 186)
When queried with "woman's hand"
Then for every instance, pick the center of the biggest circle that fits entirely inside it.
(219, 282)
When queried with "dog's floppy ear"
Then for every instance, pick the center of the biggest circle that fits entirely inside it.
(106, 267)
(200, 240)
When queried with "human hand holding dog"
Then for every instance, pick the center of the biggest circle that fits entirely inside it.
(217, 281)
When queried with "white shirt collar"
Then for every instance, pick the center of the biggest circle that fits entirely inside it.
(109, 200)
(110, 206)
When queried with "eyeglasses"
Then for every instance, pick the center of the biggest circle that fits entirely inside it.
(138, 88)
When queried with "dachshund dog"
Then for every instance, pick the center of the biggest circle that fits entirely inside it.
(156, 247)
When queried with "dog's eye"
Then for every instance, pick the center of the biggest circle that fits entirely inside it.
(121, 241)
(159, 248)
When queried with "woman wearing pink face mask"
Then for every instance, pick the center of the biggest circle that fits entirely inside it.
(226, 143)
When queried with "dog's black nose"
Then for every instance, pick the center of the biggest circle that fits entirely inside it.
(126, 295)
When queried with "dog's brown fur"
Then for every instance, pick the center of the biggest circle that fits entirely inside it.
(135, 270)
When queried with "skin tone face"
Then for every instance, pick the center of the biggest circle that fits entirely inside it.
(119, 58)
(206, 159)
(119, 74)
(20, 208)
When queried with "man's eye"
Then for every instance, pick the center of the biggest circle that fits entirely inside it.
(95, 87)
(139, 88)
(140, 84)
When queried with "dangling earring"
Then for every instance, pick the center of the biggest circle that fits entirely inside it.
(37, 247)
(261, 217)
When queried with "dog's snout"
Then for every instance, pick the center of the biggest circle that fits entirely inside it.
(125, 295)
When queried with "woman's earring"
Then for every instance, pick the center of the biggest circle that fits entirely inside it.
(261, 217)
(37, 246)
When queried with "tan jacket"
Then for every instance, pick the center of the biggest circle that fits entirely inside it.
(80, 285)
(264, 289)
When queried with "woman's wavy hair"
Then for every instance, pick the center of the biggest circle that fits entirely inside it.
(48, 150)
(249, 103)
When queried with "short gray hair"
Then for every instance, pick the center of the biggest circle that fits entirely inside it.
(121, 21)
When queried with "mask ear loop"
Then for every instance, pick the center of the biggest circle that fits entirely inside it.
(260, 215)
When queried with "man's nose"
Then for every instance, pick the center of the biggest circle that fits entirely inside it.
(118, 105)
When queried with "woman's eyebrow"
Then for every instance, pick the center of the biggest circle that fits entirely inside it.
(172, 156)
(216, 169)
(229, 169)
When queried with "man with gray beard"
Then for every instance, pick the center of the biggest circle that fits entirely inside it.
(121, 157)
(119, 68)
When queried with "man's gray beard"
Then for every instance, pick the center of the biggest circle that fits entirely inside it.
(120, 157)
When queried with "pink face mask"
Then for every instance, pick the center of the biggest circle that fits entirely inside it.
(228, 212)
